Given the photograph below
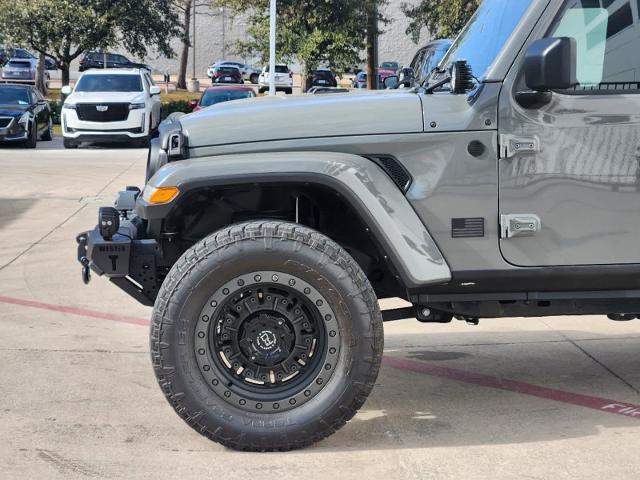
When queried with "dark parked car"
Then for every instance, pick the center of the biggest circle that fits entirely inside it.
(114, 60)
(214, 95)
(323, 77)
(227, 74)
(24, 115)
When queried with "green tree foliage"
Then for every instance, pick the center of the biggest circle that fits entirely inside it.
(442, 18)
(64, 29)
(315, 33)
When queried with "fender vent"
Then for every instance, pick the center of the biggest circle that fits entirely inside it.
(395, 170)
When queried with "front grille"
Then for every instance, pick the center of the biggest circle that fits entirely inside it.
(116, 112)
(5, 122)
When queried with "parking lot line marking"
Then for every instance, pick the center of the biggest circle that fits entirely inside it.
(82, 312)
(595, 403)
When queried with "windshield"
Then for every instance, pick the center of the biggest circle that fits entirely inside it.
(211, 97)
(14, 96)
(110, 83)
(486, 33)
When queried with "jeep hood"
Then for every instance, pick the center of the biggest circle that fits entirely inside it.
(284, 118)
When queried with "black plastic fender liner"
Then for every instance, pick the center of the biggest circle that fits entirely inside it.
(389, 216)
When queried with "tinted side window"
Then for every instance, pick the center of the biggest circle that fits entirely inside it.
(607, 34)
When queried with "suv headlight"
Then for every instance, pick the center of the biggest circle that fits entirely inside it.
(136, 106)
(69, 106)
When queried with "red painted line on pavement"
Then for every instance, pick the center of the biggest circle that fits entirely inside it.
(75, 311)
(595, 403)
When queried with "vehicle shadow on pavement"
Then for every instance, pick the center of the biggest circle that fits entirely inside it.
(56, 144)
(11, 209)
(415, 410)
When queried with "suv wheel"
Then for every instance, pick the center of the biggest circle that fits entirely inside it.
(288, 91)
(266, 336)
(254, 78)
(68, 143)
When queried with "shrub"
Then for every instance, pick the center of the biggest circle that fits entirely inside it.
(56, 109)
(175, 106)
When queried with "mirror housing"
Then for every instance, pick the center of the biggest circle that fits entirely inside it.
(192, 104)
(154, 90)
(391, 82)
(550, 64)
(66, 90)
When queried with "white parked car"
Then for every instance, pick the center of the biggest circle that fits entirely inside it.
(283, 80)
(248, 73)
(112, 105)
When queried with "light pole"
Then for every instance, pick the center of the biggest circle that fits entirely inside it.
(224, 31)
(272, 49)
(194, 84)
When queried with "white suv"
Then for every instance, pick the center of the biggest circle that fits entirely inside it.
(111, 105)
(283, 80)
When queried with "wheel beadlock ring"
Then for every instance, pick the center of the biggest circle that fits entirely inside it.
(221, 375)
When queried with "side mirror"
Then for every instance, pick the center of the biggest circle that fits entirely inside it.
(66, 90)
(192, 104)
(550, 64)
(154, 90)
(391, 82)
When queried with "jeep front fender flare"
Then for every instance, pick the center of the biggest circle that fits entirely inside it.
(365, 186)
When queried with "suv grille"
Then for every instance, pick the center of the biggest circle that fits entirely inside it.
(5, 122)
(115, 112)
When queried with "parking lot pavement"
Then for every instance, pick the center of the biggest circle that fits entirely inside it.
(513, 398)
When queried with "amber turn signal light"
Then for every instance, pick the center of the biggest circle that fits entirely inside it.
(163, 195)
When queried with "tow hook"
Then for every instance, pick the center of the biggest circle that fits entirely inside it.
(86, 272)
(82, 257)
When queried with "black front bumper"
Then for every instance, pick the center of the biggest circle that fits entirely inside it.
(128, 260)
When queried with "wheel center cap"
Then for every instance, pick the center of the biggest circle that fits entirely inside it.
(266, 340)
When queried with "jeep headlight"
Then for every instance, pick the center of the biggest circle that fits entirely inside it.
(136, 106)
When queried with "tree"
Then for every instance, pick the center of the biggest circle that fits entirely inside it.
(442, 18)
(185, 11)
(313, 32)
(64, 29)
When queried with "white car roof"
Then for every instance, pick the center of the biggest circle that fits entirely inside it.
(114, 71)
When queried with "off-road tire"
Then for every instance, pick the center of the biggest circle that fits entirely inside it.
(325, 270)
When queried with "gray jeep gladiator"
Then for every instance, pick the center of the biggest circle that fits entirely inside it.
(507, 185)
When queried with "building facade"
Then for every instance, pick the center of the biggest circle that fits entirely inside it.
(217, 31)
